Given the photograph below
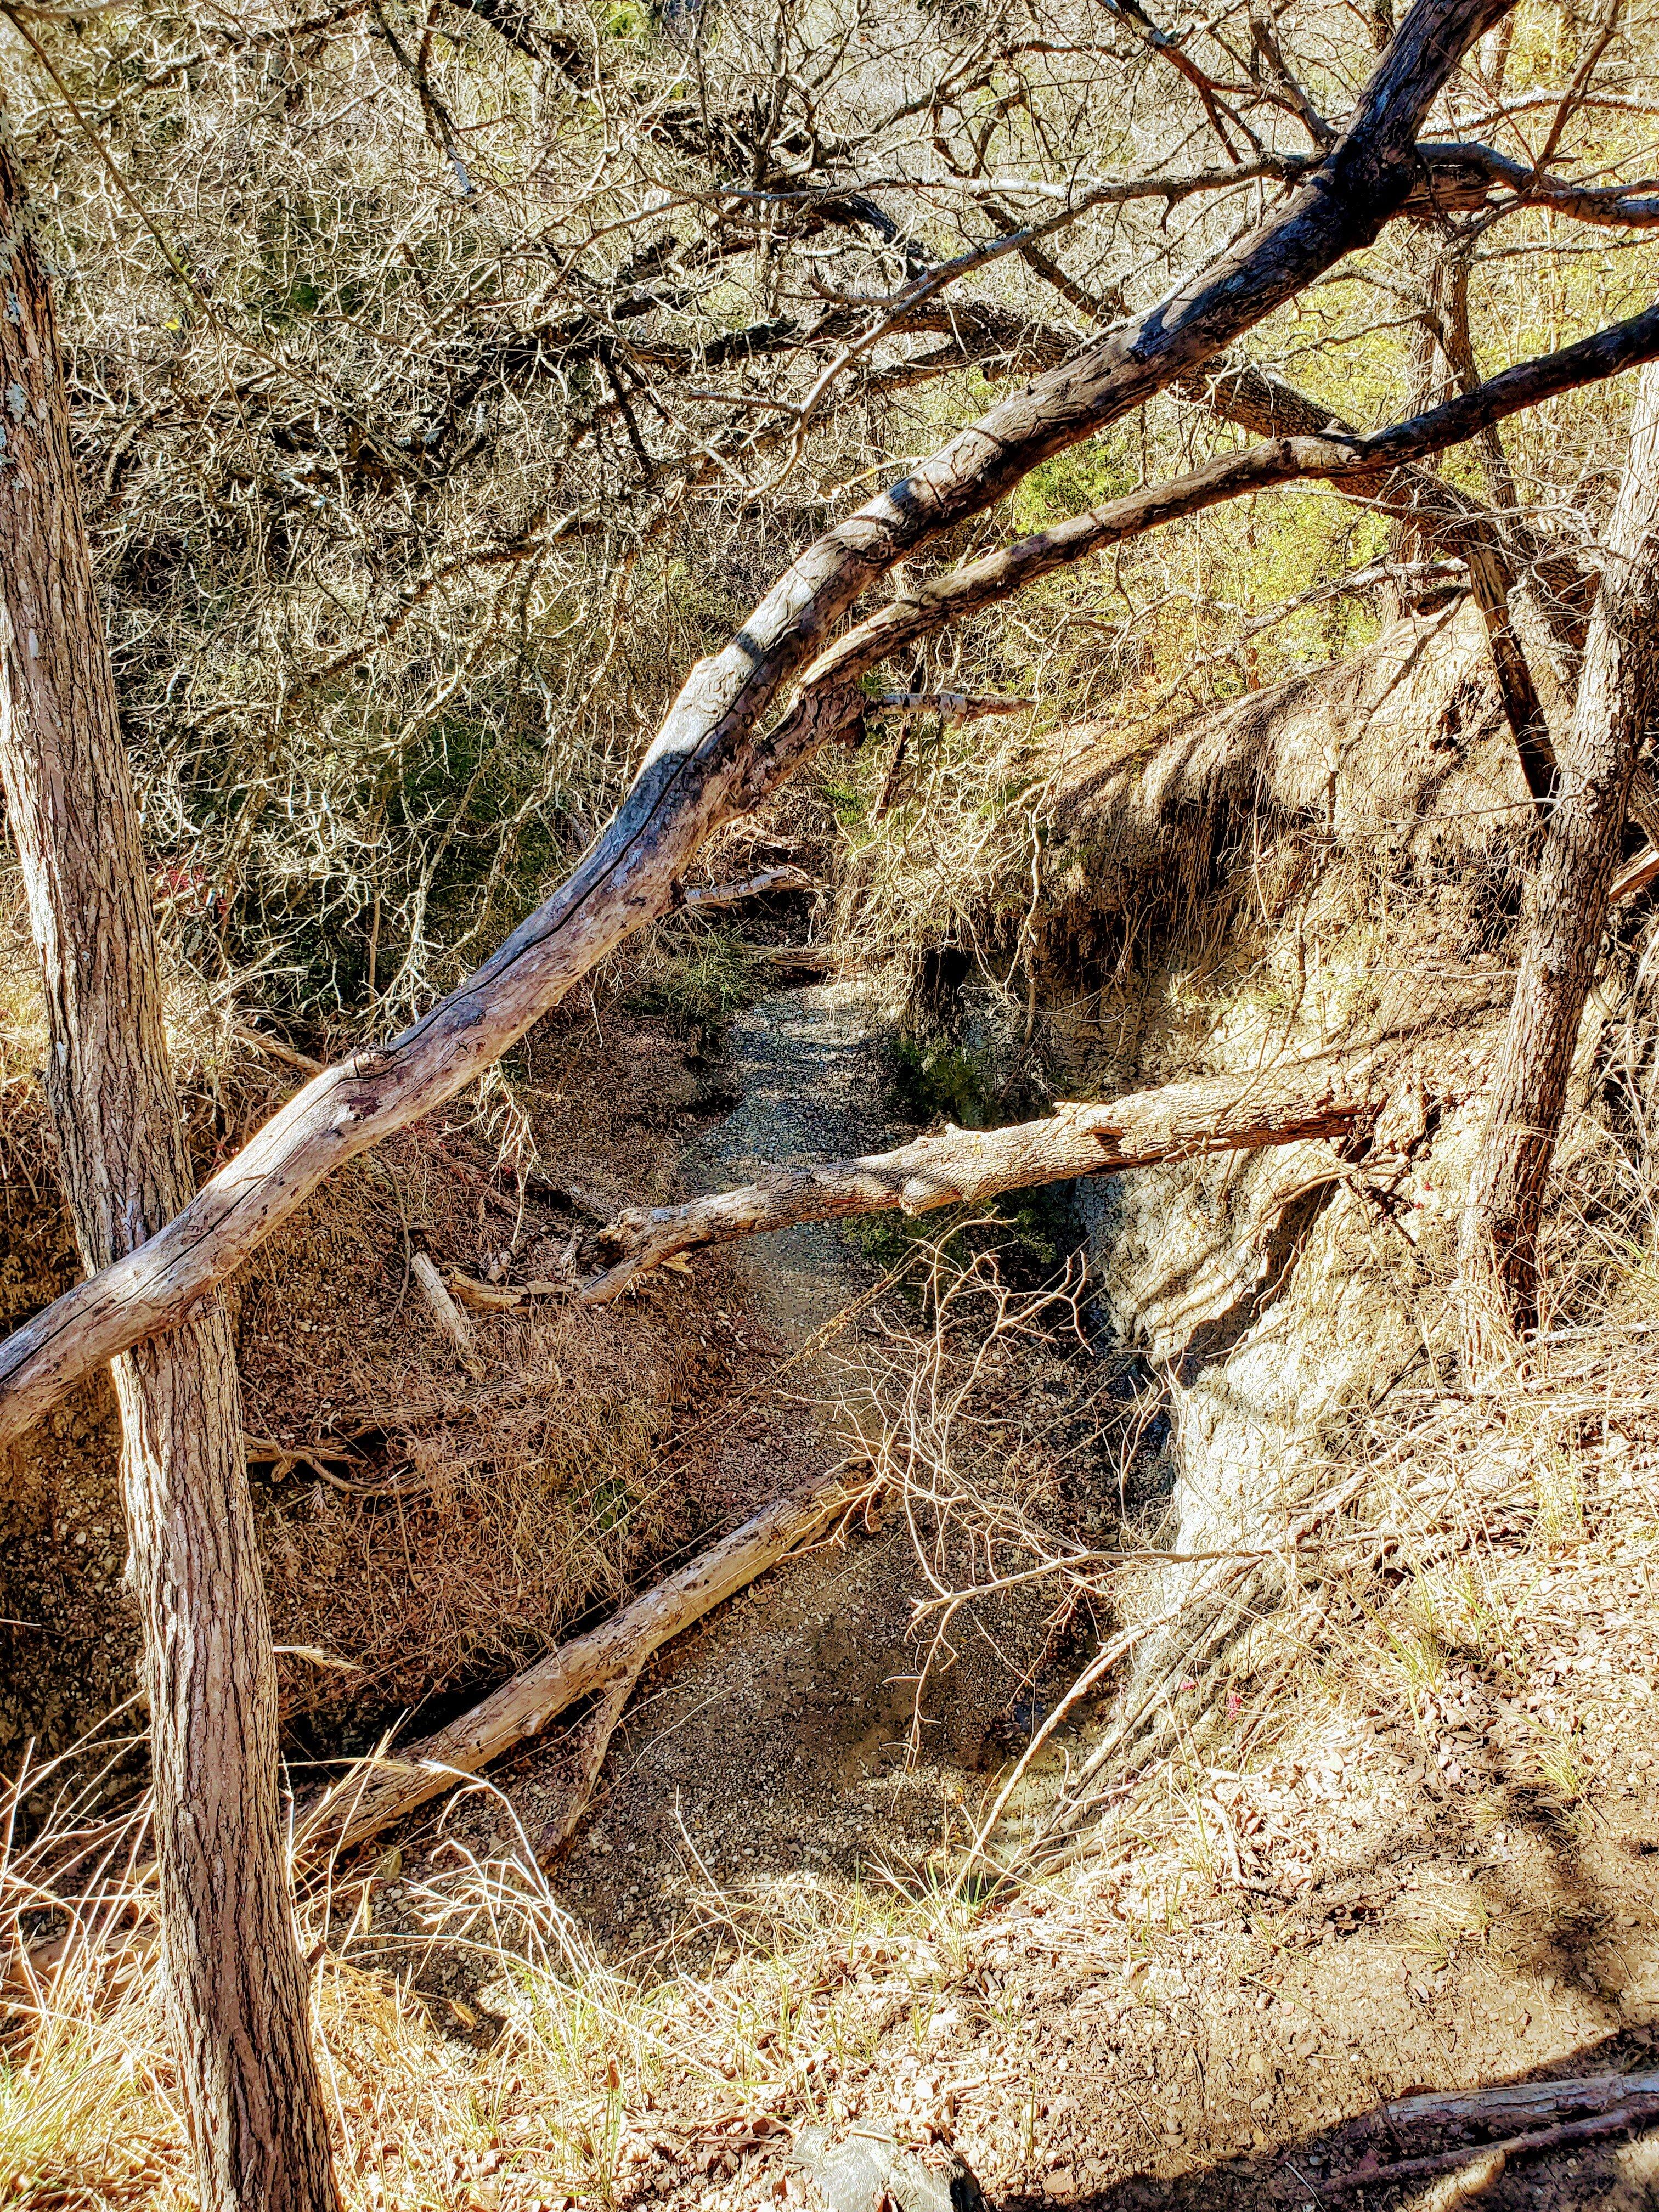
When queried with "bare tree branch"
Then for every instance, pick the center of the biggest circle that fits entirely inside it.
(1349, 457)
(1180, 1122)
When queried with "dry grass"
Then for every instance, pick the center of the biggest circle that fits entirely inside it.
(1453, 1603)
(761, 2014)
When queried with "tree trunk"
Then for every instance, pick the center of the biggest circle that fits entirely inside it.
(235, 1985)
(1566, 905)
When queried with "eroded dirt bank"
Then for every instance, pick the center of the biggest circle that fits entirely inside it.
(1429, 1866)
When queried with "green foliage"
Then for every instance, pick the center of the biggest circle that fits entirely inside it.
(701, 983)
(940, 1080)
(846, 801)
(1082, 477)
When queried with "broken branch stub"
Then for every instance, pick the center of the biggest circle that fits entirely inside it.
(1178, 1121)
(445, 1311)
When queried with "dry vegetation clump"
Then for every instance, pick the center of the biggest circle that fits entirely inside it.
(1447, 1692)
(420, 1529)
(446, 1526)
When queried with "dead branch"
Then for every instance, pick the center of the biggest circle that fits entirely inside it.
(1635, 876)
(584, 1756)
(749, 887)
(445, 1311)
(1613, 2102)
(954, 705)
(1332, 457)
(1180, 1122)
(1465, 174)
(524, 1706)
(501, 1298)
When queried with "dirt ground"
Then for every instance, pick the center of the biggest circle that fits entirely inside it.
(1342, 1899)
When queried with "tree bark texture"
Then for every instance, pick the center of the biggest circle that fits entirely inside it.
(235, 1985)
(710, 763)
(1178, 1121)
(1566, 905)
(1341, 456)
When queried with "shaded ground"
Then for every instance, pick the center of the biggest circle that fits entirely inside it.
(779, 1734)
(1447, 1889)
(1201, 2022)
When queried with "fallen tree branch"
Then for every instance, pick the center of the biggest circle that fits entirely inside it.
(953, 706)
(583, 1757)
(501, 1298)
(1179, 1122)
(1518, 2101)
(445, 1311)
(1615, 2101)
(748, 887)
(709, 764)
(524, 1706)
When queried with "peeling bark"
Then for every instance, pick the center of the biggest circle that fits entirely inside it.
(1179, 1122)
(1566, 907)
(710, 763)
(236, 1988)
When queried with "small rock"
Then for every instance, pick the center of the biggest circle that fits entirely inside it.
(855, 2173)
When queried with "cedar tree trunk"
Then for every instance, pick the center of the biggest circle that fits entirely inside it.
(1566, 905)
(235, 1983)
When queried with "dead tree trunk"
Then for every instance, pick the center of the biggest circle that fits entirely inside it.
(1178, 1121)
(1566, 905)
(235, 1985)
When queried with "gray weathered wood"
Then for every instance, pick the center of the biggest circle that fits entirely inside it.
(1178, 1121)
(524, 1706)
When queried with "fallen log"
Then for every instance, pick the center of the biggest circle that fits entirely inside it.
(523, 1707)
(1613, 2102)
(1179, 1122)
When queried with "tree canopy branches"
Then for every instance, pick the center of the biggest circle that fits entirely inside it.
(706, 764)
